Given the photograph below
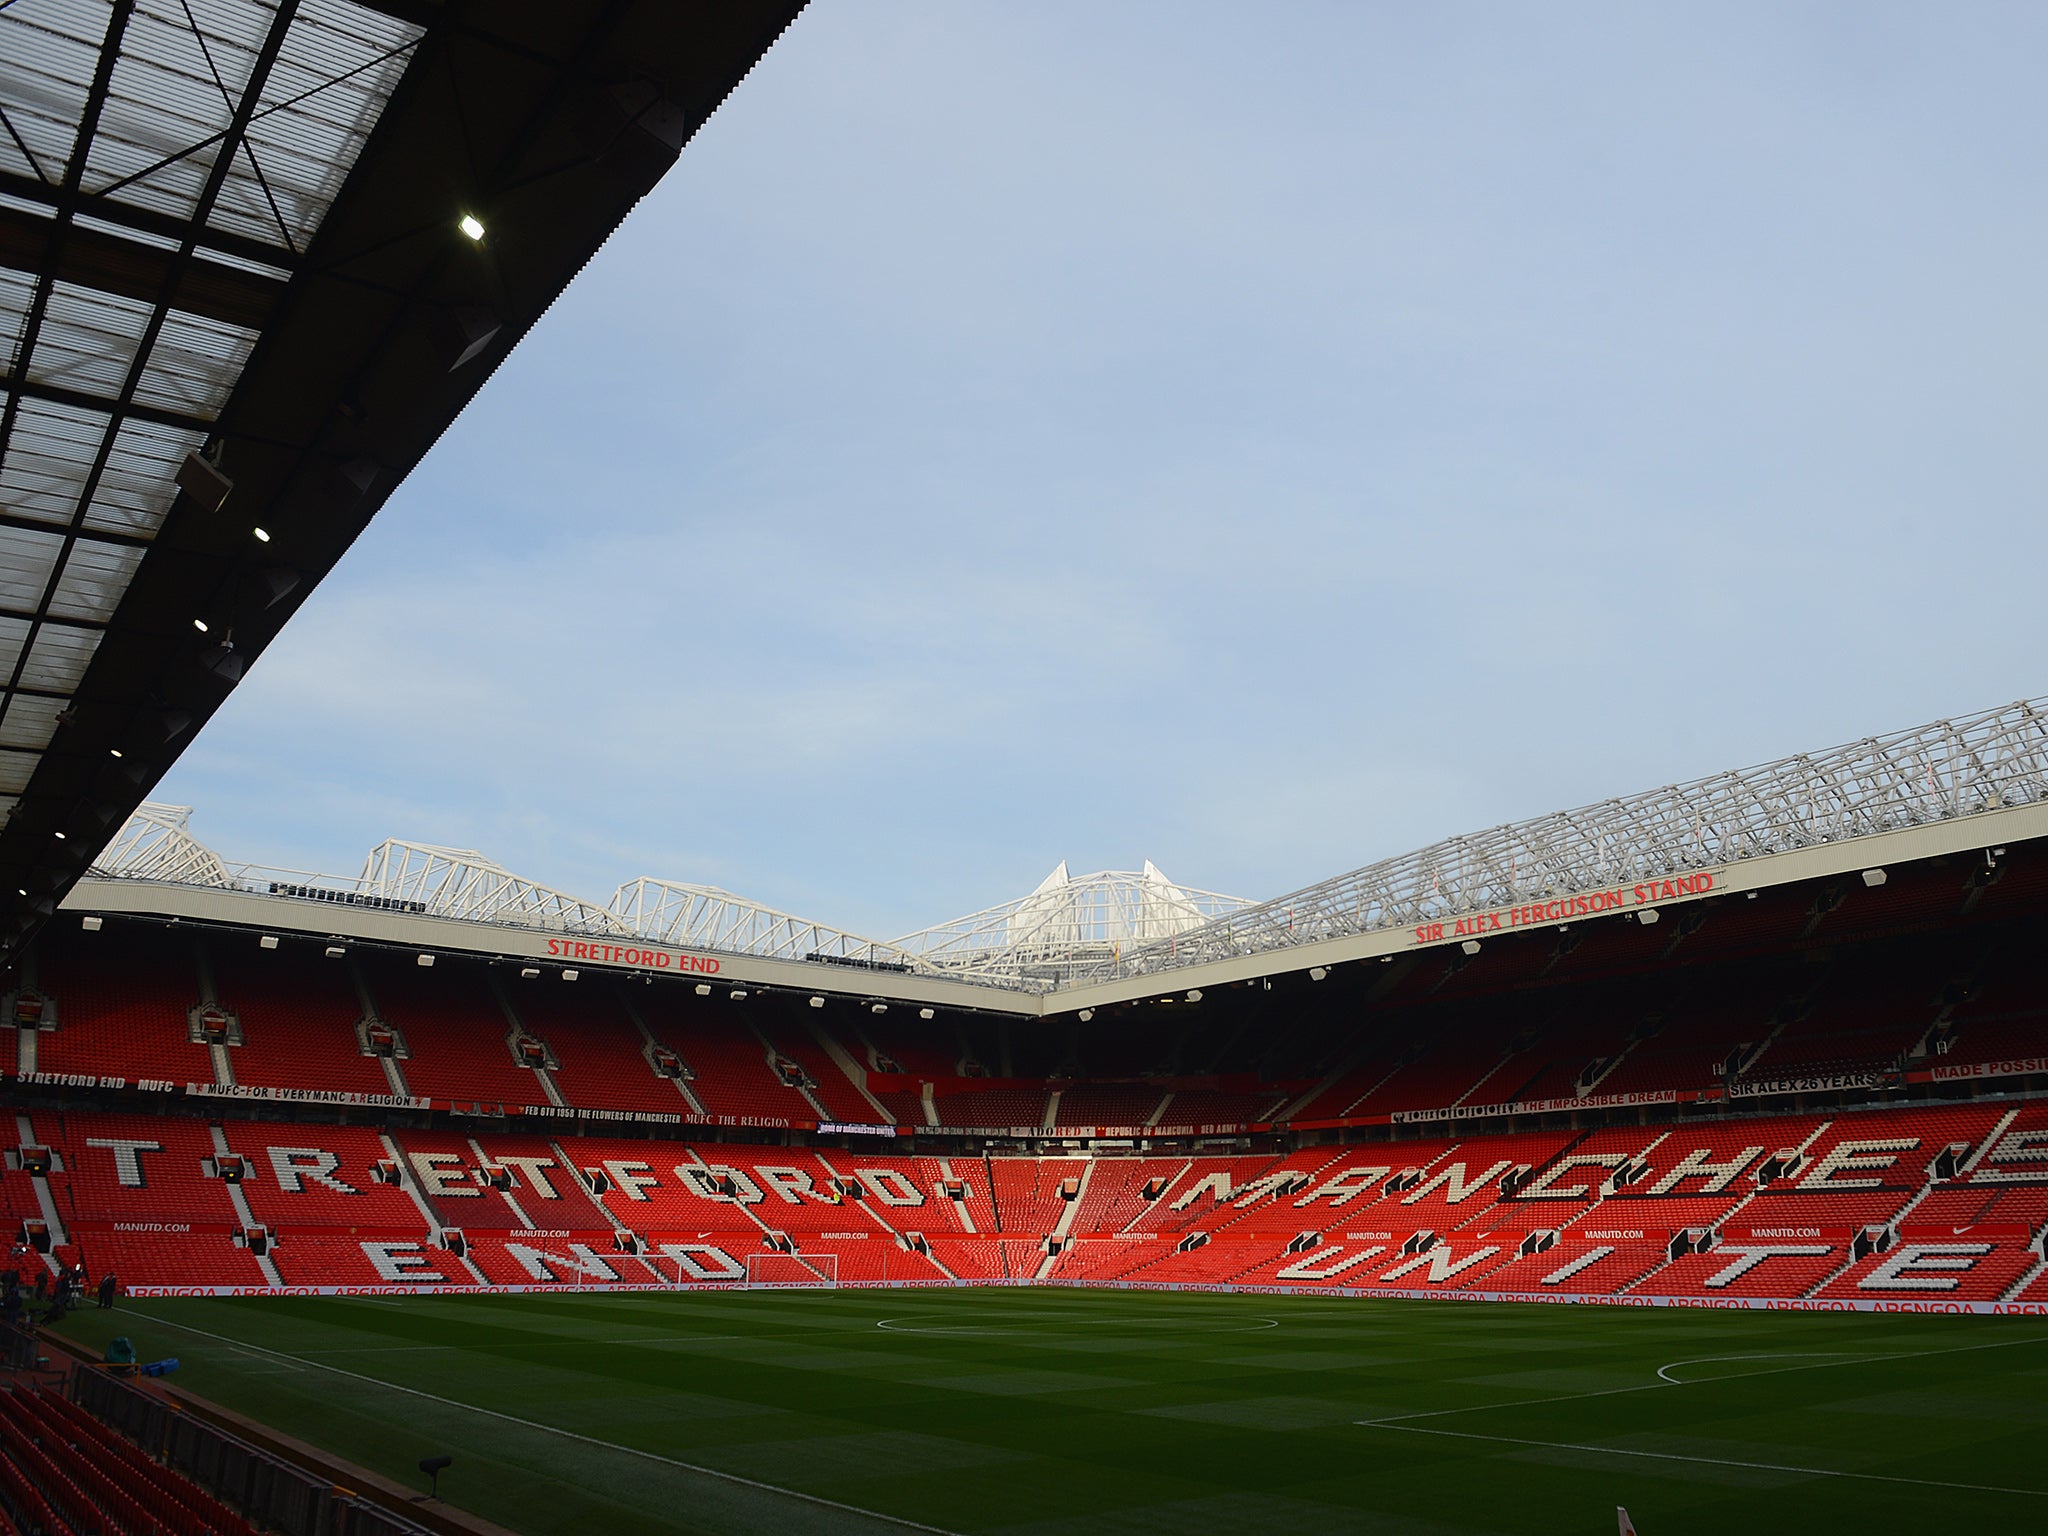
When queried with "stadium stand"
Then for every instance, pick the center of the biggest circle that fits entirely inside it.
(459, 1034)
(128, 1018)
(602, 1058)
(298, 1014)
(1929, 1201)
(728, 1061)
(1834, 1093)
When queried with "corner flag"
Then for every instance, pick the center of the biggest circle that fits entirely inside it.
(1628, 1526)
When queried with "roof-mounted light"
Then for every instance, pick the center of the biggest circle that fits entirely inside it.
(262, 536)
(471, 226)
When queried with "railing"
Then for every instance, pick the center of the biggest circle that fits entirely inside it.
(20, 1350)
(270, 1491)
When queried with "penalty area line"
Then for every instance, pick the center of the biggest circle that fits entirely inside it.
(1712, 1461)
(566, 1434)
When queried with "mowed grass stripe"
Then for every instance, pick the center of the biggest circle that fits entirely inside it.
(1063, 1413)
(780, 1518)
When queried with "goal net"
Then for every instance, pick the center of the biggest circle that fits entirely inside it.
(792, 1269)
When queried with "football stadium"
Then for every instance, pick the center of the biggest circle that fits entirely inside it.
(429, 1197)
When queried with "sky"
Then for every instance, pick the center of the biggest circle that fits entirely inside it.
(1260, 439)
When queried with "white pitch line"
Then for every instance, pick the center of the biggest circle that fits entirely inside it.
(1833, 1362)
(534, 1343)
(566, 1434)
(1719, 1461)
(1828, 1356)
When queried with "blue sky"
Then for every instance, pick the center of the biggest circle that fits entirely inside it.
(1257, 438)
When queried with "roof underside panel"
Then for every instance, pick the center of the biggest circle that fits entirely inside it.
(215, 239)
(143, 111)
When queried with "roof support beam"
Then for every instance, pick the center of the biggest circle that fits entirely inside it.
(93, 258)
(145, 221)
(24, 615)
(79, 400)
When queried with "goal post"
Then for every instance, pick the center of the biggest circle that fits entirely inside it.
(784, 1270)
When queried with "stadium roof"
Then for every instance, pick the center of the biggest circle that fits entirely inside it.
(1923, 777)
(1974, 782)
(1067, 924)
(1033, 940)
(255, 255)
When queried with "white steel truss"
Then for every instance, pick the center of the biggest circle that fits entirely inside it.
(153, 844)
(1137, 922)
(1934, 773)
(1067, 925)
(462, 883)
(706, 917)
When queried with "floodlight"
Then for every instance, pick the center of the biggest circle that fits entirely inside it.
(927, 1014)
(335, 951)
(200, 625)
(817, 1002)
(570, 973)
(1194, 994)
(1874, 878)
(471, 226)
(1647, 915)
(528, 972)
(1317, 973)
(703, 989)
(262, 536)
(1470, 946)
(738, 994)
(61, 837)
(268, 941)
(91, 925)
(1087, 1014)
(115, 750)
(426, 960)
(878, 1007)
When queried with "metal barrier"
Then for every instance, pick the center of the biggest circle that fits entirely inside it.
(20, 1350)
(269, 1490)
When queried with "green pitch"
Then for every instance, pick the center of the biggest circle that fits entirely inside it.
(1061, 1412)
